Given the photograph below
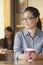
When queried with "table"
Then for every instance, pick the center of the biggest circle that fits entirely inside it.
(6, 55)
(21, 62)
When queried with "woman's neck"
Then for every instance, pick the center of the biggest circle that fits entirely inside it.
(32, 31)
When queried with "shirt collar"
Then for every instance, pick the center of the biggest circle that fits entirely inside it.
(25, 31)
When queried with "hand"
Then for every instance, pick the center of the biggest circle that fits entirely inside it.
(33, 55)
(9, 51)
(24, 56)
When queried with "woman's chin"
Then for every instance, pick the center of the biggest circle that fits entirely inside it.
(28, 28)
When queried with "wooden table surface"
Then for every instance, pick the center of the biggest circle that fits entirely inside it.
(6, 54)
(21, 62)
(8, 60)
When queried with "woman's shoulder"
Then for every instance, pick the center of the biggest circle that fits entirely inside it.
(41, 33)
(19, 33)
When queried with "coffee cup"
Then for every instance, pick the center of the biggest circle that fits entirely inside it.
(30, 51)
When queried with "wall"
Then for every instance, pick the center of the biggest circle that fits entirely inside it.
(1, 18)
(6, 13)
(38, 4)
(4, 16)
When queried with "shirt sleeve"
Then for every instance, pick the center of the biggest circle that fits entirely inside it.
(18, 49)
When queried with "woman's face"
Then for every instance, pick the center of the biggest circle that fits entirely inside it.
(8, 34)
(29, 21)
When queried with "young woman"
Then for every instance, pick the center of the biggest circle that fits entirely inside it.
(30, 37)
(8, 41)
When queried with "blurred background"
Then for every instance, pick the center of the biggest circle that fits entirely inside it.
(11, 12)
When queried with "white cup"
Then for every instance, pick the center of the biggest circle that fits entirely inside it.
(30, 51)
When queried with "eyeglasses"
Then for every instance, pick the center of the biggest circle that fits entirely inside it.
(28, 18)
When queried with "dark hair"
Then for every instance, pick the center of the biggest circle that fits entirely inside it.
(9, 29)
(35, 13)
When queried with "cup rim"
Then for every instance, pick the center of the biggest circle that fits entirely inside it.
(30, 49)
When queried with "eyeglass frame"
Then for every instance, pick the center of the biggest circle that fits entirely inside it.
(28, 18)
